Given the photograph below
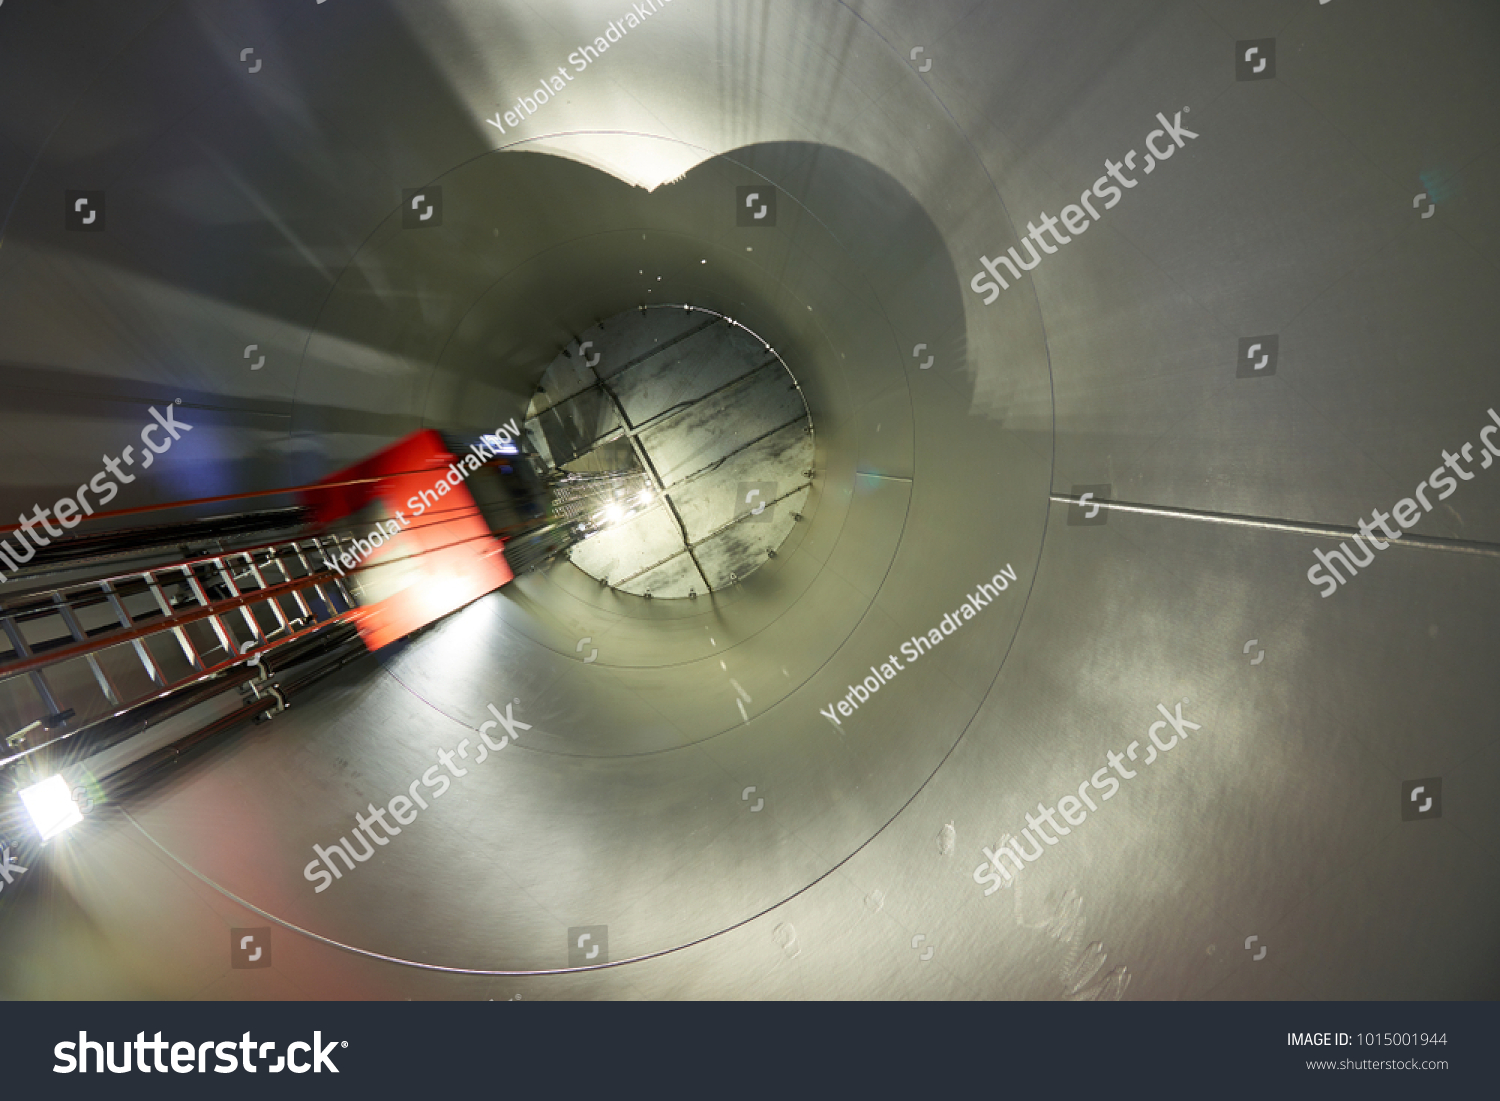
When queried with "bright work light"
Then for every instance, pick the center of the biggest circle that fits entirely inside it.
(51, 806)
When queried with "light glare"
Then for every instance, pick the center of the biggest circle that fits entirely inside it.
(51, 806)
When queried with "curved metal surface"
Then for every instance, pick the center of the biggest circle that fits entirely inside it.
(1287, 321)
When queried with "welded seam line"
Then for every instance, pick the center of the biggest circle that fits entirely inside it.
(1426, 542)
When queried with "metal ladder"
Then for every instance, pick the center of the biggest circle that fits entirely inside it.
(93, 649)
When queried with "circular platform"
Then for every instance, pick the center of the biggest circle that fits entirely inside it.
(689, 446)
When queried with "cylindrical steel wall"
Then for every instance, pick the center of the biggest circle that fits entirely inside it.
(1247, 305)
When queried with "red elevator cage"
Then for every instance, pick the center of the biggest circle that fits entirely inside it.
(430, 550)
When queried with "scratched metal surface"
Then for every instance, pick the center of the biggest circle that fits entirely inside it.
(264, 209)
